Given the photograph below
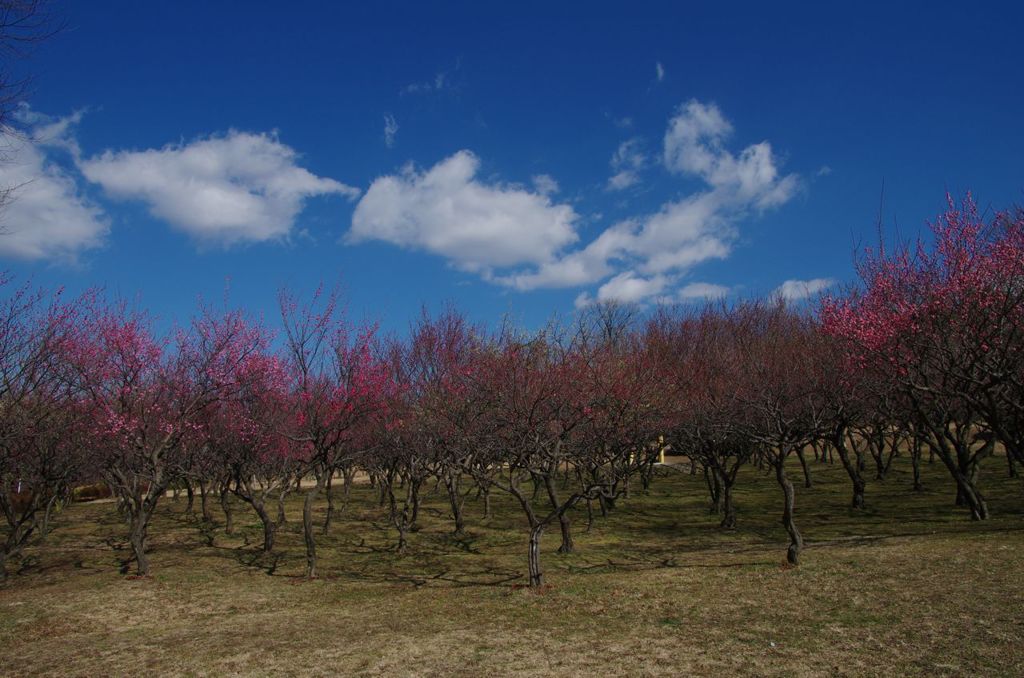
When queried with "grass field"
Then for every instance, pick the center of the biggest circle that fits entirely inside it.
(907, 587)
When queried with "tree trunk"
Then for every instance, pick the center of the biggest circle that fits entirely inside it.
(347, 476)
(189, 507)
(729, 519)
(567, 545)
(455, 500)
(204, 504)
(714, 484)
(307, 525)
(269, 526)
(44, 524)
(796, 542)
(839, 442)
(403, 543)
(17, 535)
(536, 576)
(225, 506)
(281, 517)
(915, 462)
(966, 490)
(414, 487)
(330, 504)
(967, 494)
(803, 464)
(137, 537)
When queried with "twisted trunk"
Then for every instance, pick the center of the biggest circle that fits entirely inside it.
(839, 442)
(803, 465)
(796, 542)
(567, 545)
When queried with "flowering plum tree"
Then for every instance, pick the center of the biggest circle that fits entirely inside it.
(40, 445)
(337, 386)
(944, 321)
(144, 395)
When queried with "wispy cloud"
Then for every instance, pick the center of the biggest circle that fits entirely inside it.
(659, 71)
(545, 184)
(626, 163)
(390, 130)
(441, 81)
(702, 290)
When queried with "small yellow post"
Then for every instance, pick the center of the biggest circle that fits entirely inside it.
(661, 449)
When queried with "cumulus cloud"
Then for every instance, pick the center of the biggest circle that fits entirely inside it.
(47, 216)
(476, 225)
(390, 130)
(626, 163)
(647, 253)
(794, 290)
(659, 71)
(694, 144)
(522, 239)
(235, 188)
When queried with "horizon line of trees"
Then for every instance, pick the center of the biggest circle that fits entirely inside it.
(925, 356)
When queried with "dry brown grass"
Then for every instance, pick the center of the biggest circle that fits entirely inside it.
(908, 587)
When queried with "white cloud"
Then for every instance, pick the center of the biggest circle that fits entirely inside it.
(824, 171)
(583, 299)
(47, 217)
(229, 189)
(520, 238)
(50, 131)
(659, 71)
(794, 290)
(582, 267)
(646, 253)
(630, 288)
(545, 184)
(390, 130)
(694, 145)
(626, 163)
(477, 226)
(702, 290)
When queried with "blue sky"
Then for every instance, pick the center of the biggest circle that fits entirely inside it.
(523, 160)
